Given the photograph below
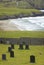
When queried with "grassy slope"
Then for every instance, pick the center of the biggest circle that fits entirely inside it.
(12, 11)
(17, 34)
(22, 57)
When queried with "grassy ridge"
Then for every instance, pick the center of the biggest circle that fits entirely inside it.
(17, 34)
(22, 57)
(16, 11)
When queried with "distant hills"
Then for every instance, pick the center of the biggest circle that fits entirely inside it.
(39, 4)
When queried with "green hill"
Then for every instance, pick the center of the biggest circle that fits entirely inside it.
(23, 3)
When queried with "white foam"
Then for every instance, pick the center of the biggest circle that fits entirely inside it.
(29, 23)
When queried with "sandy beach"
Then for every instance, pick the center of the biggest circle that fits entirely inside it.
(5, 25)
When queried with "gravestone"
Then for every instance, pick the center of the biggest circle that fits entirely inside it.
(12, 54)
(1, 41)
(26, 46)
(9, 49)
(20, 46)
(32, 59)
(3, 56)
(12, 46)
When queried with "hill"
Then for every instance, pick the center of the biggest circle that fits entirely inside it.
(39, 4)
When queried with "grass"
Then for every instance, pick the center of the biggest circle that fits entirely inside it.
(17, 34)
(22, 57)
(16, 11)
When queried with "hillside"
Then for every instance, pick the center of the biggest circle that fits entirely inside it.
(39, 4)
(10, 9)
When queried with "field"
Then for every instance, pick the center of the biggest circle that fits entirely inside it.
(22, 57)
(17, 34)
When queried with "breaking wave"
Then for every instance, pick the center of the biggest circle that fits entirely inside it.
(29, 23)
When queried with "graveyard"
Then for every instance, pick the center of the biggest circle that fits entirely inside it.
(27, 51)
(22, 56)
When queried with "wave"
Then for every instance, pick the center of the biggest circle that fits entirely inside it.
(29, 23)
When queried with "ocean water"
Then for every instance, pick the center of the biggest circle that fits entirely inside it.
(29, 23)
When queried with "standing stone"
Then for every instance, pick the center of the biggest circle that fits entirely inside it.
(1, 41)
(3, 56)
(12, 54)
(12, 46)
(9, 49)
(32, 59)
(26, 46)
(21, 46)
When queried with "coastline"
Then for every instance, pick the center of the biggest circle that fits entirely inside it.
(23, 24)
(7, 26)
(6, 17)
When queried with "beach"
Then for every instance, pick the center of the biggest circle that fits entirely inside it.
(5, 25)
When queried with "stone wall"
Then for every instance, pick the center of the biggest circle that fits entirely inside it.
(23, 40)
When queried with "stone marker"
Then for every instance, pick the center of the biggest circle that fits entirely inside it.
(32, 59)
(12, 46)
(3, 56)
(12, 54)
(20, 46)
(26, 46)
(1, 41)
(9, 49)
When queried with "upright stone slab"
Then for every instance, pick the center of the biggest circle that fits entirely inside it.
(1, 41)
(12, 46)
(9, 49)
(3, 56)
(26, 46)
(12, 54)
(20, 46)
(32, 59)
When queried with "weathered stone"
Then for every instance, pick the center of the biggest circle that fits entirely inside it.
(32, 59)
(9, 49)
(12, 46)
(20, 46)
(12, 54)
(3, 56)
(27, 46)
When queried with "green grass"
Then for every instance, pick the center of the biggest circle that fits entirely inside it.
(22, 57)
(17, 34)
(15, 11)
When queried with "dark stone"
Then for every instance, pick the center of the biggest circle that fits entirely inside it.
(9, 49)
(21, 46)
(32, 59)
(27, 47)
(12, 46)
(1, 41)
(3, 56)
(12, 54)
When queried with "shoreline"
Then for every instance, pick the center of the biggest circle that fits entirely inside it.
(23, 24)
(7, 26)
(5, 17)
